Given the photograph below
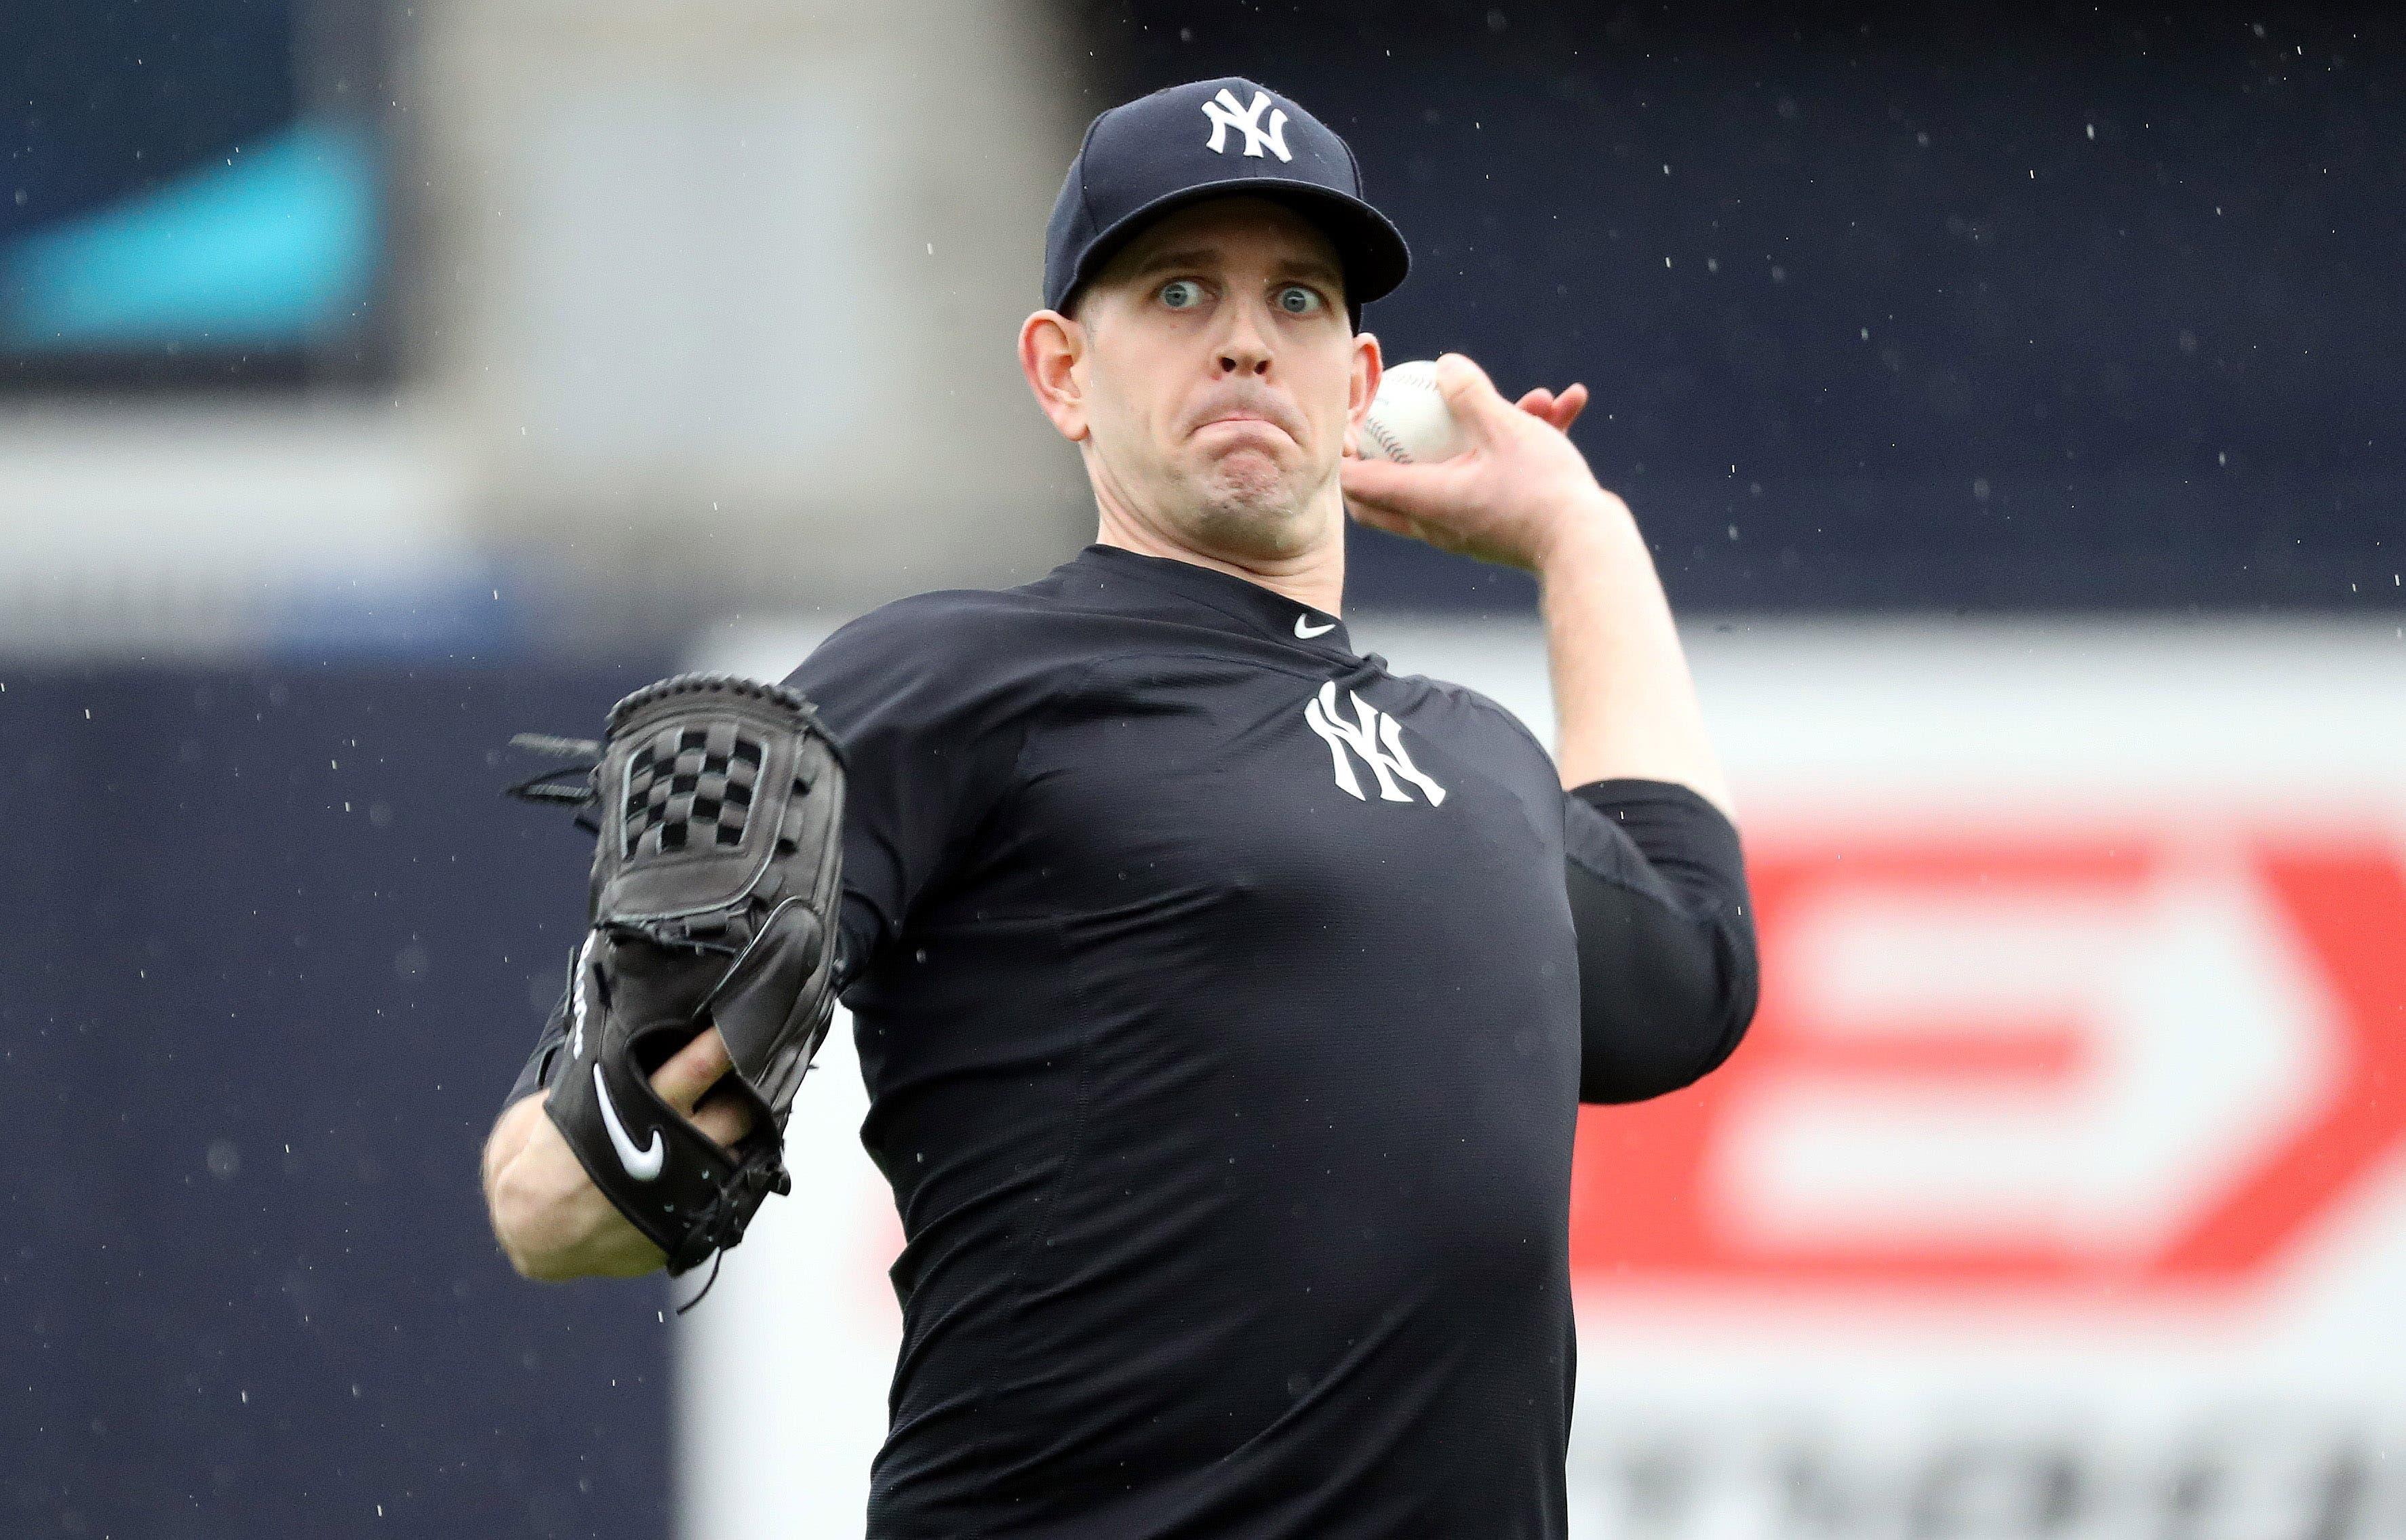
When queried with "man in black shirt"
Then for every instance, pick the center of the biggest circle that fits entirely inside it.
(1225, 1000)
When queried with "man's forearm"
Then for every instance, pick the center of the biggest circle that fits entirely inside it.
(1624, 705)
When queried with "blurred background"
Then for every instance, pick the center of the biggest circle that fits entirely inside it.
(2007, 394)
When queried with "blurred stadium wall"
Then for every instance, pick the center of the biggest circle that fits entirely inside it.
(2007, 395)
(601, 318)
(734, 288)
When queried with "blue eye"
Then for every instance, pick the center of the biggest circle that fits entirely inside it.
(1295, 299)
(1181, 293)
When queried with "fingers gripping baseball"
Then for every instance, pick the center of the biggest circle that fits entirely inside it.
(1557, 411)
(1508, 498)
(1481, 410)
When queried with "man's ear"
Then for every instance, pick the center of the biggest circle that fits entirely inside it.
(1368, 368)
(1050, 347)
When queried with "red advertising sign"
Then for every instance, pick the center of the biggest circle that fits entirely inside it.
(1660, 1194)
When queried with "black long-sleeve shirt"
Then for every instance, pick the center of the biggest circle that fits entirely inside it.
(1667, 971)
(1226, 1002)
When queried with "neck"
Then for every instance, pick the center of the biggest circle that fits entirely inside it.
(1313, 577)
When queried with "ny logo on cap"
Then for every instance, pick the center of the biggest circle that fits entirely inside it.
(1226, 114)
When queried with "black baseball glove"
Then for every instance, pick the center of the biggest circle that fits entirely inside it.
(717, 804)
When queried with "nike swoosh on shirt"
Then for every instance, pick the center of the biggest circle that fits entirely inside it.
(642, 1164)
(1309, 631)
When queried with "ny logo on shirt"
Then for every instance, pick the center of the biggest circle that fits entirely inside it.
(1226, 114)
(1372, 736)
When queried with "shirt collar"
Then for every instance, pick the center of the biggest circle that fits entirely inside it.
(1256, 608)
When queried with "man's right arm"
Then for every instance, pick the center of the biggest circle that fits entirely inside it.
(552, 1222)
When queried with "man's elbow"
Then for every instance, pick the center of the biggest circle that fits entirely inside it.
(1692, 1021)
(1617, 1077)
(1723, 1028)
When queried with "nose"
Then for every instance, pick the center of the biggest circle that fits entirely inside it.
(1246, 349)
(1245, 360)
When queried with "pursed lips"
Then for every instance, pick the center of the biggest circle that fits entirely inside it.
(1263, 418)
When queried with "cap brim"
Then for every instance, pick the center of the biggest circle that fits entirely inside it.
(1371, 248)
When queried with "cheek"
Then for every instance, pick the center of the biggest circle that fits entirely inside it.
(1139, 385)
(1330, 393)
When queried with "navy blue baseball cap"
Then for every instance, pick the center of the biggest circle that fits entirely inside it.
(1207, 139)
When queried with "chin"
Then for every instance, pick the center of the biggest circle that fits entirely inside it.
(1266, 527)
(1250, 480)
(1247, 504)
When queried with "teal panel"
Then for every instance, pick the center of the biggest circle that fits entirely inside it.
(273, 245)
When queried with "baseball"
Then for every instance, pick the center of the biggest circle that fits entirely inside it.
(1410, 422)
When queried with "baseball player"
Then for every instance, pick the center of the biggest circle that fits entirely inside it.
(1225, 999)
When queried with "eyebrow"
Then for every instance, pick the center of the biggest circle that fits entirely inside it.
(1204, 256)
